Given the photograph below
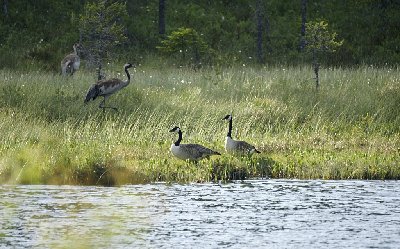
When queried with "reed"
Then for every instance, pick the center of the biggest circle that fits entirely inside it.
(348, 129)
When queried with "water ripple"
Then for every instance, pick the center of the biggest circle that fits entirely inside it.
(250, 214)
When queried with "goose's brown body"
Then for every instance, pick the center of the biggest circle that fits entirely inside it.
(236, 146)
(191, 152)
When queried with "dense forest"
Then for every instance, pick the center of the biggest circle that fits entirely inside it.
(243, 31)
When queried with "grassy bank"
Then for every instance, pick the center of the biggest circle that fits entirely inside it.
(349, 129)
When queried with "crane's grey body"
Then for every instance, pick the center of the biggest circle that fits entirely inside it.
(237, 146)
(71, 62)
(191, 152)
(105, 88)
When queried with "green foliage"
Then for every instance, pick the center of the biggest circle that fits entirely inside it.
(37, 34)
(369, 29)
(185, 43)
(102, 26)
(319, 38)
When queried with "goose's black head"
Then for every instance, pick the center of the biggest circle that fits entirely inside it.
(128, 65)
(175, 129)
(228, 117)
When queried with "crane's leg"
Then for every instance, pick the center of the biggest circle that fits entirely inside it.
(64, 69)
(102, 105)
(68, 69)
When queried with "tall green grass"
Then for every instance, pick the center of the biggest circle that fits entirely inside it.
(348, 129)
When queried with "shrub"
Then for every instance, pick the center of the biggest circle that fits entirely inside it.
(186, 44)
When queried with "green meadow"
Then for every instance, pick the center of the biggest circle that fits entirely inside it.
(349, 129)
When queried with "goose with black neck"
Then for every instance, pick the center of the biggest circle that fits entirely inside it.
(190, 152)
(237, 146)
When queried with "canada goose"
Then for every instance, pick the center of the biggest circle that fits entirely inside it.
(192, 152)
(71, 62)
(235, 146)
(107, 87)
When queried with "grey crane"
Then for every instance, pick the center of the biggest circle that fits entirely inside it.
(106, 88)
(71, 62)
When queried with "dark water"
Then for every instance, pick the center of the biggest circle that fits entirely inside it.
(251, 214)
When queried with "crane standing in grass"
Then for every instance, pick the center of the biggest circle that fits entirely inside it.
(71, 62)
(106, 88)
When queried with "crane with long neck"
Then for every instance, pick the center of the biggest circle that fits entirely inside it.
(71, 62)
(108, 87)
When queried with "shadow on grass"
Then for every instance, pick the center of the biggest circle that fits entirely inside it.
(242, 168)
(97, 174)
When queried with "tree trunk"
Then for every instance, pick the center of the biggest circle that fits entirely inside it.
(5, 8)
(260, 56)
(383, 26)
(316, 69)
(161, 17)
(303, 24)
(98, 71)
(80, 36)
(268, 34)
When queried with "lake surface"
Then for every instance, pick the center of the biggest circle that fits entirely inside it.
(249, 214)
